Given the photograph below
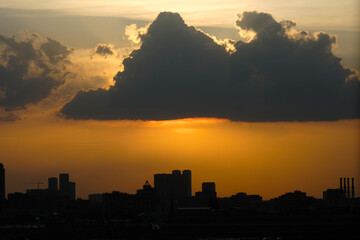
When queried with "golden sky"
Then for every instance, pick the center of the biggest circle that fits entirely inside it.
(325, 13)
(258, 158)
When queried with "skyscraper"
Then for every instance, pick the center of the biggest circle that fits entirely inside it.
(187, 176)
(64, 182)
(53, 184)
(72, 190)
(67, 188)
(2, 182)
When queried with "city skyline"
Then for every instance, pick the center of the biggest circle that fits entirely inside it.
(168, 210)
(177, 184)
(118, 171)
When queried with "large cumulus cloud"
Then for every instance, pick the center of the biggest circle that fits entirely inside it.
(180, 72)
(30, 69)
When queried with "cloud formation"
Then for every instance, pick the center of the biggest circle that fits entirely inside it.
(103, 49)
(30, 69)
(8, 117)
(180, 72)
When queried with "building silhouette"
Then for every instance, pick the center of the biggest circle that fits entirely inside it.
(146, 190)
(63, 182)
(53, 184)
(208, 191)
(348, 191)
(72, 191)
(334, 195)
(66, 187)
(173, 186)
(339, 195)
(2, 182)
(209, 187)
(178, 215)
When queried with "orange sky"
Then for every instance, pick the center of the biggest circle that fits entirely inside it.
(257, 158)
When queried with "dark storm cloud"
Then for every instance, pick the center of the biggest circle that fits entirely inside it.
(179, 72)
(103, 49)
(284, 76)
(29, 69)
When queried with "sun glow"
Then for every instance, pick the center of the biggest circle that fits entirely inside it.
(249, 157)
(187, 121)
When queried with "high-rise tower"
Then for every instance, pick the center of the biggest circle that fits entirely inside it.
(187, 175)
(2, 182)
(53, 184)
(63, 182)
(67, 188)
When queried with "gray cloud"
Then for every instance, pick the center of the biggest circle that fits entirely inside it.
(9, 117)
(179, 72)
(30, 69)
(55, 51)
(104, 50)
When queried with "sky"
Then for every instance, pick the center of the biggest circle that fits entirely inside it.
(320, 13)
(259, 96)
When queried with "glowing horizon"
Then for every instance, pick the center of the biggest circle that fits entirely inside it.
(121, 155)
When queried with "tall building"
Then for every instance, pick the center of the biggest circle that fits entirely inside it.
(173, 186)
(66, 187)
(2, 182)
(53, 184)
(64, 182)
(187, 176)
(72, 191)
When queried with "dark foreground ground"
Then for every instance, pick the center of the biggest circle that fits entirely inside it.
(122, 216)
(191, 225)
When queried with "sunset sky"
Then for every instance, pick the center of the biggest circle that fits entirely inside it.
(259, 96)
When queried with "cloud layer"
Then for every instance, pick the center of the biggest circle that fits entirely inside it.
(30, 69)
(180, 72)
